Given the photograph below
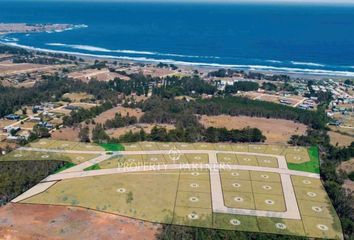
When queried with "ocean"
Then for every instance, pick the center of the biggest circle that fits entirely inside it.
(286, 38)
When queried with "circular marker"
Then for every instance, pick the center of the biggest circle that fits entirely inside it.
(266, 187)
(193, 199)
(195, 173)
(18, 155)
(311, 194)
(236, 185)
(235, 222)
(306, 181)
(322, 227)
(45, 156)
(317, 209)
(235, 174)
(193, 216)
(121, 190)
(264, 176)
(281, 226)
(269, 202)
(238, 199)
(194, 185)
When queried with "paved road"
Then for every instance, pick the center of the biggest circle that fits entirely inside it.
(292, 210)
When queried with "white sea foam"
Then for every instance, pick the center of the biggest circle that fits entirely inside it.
(273, 61)
(311, 64)
(171, 61)
(99, 49)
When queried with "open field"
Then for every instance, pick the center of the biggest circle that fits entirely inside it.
(276, 130)
(340, 139)
(109, 114)
(77, 97)
(67, 223)
(246, 187)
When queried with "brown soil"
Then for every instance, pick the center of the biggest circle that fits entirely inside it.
(66, 134)
(32, 221)
(276, 130)
(340, 139)
(109, 114)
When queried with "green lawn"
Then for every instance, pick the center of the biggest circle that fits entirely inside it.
(93, 167)
(66, 166)
(112, 146)
(312, 166)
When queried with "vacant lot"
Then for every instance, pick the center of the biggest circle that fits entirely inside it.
(77, 97)
(340, 139)
(34, 221)
(109, 114)
(276, 130)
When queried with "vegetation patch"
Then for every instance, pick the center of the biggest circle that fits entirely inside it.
(112, 146)
(312, 166)
(66, 166)
(93, 167)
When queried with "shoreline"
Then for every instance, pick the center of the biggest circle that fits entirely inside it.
(293, 72)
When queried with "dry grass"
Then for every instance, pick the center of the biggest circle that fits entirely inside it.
(109, 114)
(276, 130)
(77, 97)
(66, 134)
(340, 139)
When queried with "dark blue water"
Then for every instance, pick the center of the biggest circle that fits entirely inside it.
(295, 38)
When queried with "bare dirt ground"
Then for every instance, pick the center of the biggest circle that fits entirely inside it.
(276, 130)
(66, 134)
(17, 68)
(340, 139)
(78, 96)
(71, 134)
(109, 114)
(28, 222)
(347, 167)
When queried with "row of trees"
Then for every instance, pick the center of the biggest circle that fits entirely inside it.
(244, 86)
(160, 110)
(161, 134)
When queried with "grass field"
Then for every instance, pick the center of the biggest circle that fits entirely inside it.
(184, 196)
(310, 165)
